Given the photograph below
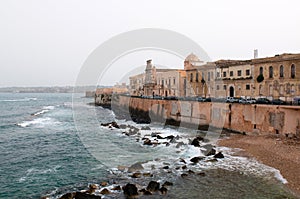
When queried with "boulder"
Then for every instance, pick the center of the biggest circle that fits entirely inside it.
(136, 175)
(184, 175)
(209, 150)
(147, 141)
(159, 137)
(167, 183)
(145, 192)
(219, 155)
(103, 184)
(196, 159)
(179, 144)
(135, 167)
(121, 168)
(170, 137)
(114, 124)
(123, 126)
(201, 174)
(130, 190)
(105, 191)
(117, 188)
(153, 186)
(92, 188)
(182, 160)
(166, 167)
(195, 142)
(163, 190)
(147, 175)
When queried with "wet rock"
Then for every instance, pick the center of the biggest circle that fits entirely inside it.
(163, 190)
(148, 142)
(67, 196)
(81, 195)
(166, 167)
(209, 150)
(153, 186)
(195, 142)
(147, 175)
(145, 192)
(182, 160)
(167, 183)
(212, 160)
(219, 155)
(135, 167)
(170, 137)
(92, 188)
(114, 124)
(146, 128)
(103, 184)
(191, 172)
(136, 175)
(111, 124)
(130, 190)
(159, 137)
(105, 191)
(184, 167)
(117, 188)
(184, 175)
(201, 174)
(196, 159)
(167, 144)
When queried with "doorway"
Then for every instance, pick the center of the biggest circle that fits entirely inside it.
(231, 91)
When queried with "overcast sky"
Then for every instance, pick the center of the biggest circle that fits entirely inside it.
(45, 43)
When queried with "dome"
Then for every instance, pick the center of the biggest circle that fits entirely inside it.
(192, 58)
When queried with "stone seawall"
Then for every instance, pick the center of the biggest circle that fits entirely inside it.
(248, 118)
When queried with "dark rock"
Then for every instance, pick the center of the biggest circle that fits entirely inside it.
(166, 167)
(130, 190)
(219, 155)
(153, 186)
(121, 168)
(182, 160)
(145, 128)
(167, 183)
(103, 184)
(136, 175)
(212, 160)
(117, 188)
(195, 142)
(81, 195)
(135, 167)
(159, 137)
(184, 175)
(191, 172)
(67, 196)
(167, 144)
(163, 190)
(147, 175)
(92, 188)
(170, 137)
(184, 167)
(209, 150)
(105, 191)
(145, 192)
(201, 174)
(148, 142)
(196, 159)
(114, 124)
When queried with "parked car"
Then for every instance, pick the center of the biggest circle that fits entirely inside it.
(207, 99)
(200, 99)
(251, 100)
(263, 101)
(243, 101)
(223, 100)
(296, 101)
(171, 98)
(278, 102)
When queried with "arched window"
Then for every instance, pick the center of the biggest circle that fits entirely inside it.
(261, 70)
(191, 77)
(293, 71)
(281, 71)
(271, 72)
(197, 77)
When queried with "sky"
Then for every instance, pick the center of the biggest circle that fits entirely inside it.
(45, 43)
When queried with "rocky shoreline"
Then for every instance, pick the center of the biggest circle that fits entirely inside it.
(280, 152)
(152, 178)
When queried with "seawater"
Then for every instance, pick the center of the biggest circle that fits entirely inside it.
(45, 152)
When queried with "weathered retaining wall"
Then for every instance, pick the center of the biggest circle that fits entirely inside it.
(249, 118)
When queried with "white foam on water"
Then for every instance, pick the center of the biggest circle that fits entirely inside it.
(20, 100)
(39, 122)
(44, 110)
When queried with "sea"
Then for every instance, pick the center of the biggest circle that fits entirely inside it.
(53, 143)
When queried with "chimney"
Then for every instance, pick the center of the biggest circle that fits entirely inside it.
(255, 53)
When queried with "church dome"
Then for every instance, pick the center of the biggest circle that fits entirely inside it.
(192, 58)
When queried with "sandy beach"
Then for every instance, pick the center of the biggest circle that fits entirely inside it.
(278, 152)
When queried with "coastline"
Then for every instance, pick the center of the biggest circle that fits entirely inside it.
(278, 152)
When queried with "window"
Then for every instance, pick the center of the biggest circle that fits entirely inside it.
(162, 82)
(203, 76)
(224, 87)
(218, 87)
(191, 77)
(174, 81)
(239, 73)
(271, 72)
(261, 71)
(208, 76)
(197, 78)
(224, 74)
(247, 87)
(231, 73)
(281, 71)
(218, 74)
(293, 71)
(169, 82)
(247, 72)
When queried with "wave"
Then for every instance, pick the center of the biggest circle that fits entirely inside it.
(38, 122)
(20, 100)
(44, 110)
(34, 172)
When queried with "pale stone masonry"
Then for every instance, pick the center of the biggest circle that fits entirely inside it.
(275, 77)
